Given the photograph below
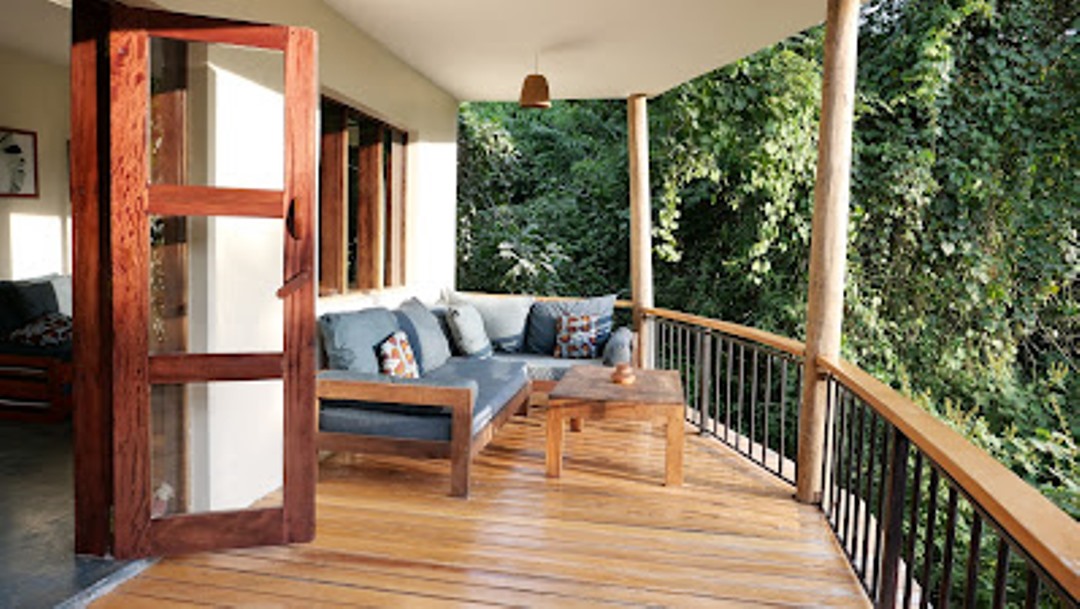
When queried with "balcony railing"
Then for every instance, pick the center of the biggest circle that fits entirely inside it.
(925, 518)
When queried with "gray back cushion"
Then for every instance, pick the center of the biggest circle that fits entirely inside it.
(505, 318)
(425, 333)
(545, 314)
(351, 339)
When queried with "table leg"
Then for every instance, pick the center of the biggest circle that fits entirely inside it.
(673, 458)
(554, 443)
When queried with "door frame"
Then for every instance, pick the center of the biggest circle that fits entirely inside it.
(111, 199)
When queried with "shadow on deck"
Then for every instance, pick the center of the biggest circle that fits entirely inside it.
(606, 533)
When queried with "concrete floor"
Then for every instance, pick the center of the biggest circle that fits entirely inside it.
(38, 567)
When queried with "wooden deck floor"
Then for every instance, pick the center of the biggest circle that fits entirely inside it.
(605, 534)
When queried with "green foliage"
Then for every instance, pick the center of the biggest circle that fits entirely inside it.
(964, 247)
(542, 199)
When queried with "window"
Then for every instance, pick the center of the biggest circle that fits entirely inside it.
(362, 202)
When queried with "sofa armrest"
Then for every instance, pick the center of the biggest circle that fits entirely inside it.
(620, 347)
(344, 385)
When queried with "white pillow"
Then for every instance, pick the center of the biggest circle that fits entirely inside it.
(467, 328)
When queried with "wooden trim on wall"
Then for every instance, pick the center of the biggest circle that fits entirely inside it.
(333, 199)
(370, 208)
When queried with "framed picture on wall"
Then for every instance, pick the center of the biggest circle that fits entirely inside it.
(18, 163)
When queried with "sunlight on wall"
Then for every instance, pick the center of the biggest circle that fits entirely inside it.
(37, 245)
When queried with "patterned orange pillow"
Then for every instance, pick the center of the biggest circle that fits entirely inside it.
(575, 336)
(396, 357)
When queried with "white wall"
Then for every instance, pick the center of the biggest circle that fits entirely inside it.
(359, 71)
(34, 233)
(237, 115)
(237, 141)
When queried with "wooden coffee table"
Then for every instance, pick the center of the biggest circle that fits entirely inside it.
(587, 392)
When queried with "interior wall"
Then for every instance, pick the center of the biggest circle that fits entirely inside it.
(357, 70)
(35, 233)
(237, 114)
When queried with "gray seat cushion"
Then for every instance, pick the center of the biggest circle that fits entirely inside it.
(540, 337)
(351, 339)
(545, 367)
(493, 383)
(425, 333)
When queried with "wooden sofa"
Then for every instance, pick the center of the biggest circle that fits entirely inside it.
(35, 369)
(456, 408)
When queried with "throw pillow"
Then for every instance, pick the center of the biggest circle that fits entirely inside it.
(575, 337)
(49, 330)
(505, 318)
(396, 357)
(544, 315)
(467, 328)
(425, 333)
(352, 339)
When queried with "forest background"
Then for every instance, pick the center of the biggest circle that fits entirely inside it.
(964, 250)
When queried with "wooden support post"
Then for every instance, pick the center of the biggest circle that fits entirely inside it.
(641, 276)
(828, 243)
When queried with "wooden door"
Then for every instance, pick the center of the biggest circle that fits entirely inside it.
(175, 382)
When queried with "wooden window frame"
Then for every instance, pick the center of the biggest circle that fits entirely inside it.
(380, 209)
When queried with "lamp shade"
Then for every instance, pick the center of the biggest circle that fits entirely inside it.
(534, 92)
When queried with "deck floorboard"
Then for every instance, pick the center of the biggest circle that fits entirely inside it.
(605, 534)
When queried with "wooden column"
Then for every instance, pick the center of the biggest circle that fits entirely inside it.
(828, 242)
(641, 276)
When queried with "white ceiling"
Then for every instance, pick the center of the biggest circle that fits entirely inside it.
(482, 49)
(39, 28)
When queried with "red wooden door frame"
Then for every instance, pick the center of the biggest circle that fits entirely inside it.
(111, 204)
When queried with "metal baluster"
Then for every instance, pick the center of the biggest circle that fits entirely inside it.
(753, 403)
(838, 450)
(830, 439)
(950, 543)
(913, 530)
(705, 378)
(1031, 598)
(768, 402)
(718, 352)
(926, 584)
(893, 521)
(783, 412)
(1001, 570)
(880, 539)
(868, 484)
(973, 562)
(742, 378)
(727, 400)
(848, 466)
(859, 506)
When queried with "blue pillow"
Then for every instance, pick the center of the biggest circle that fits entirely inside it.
(351, 340)
(426, 335)
(545, 314)
(505, 318)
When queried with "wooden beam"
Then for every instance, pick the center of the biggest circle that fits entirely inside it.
(333, 218)
(90, 213)
(370, 208)
(828, 242)
(641, 277)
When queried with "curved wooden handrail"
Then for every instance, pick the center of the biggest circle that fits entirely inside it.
(782, 343)
(1045, 532)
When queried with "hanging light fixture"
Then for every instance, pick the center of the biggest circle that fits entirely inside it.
(534, 91)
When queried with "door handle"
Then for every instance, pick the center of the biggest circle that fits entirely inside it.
(293, 284)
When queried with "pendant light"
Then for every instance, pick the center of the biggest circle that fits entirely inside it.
(534, 91)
